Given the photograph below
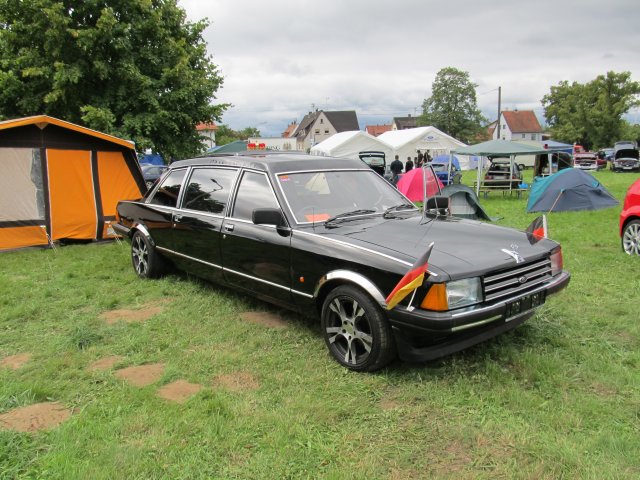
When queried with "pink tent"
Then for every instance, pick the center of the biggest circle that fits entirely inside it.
(411, 184)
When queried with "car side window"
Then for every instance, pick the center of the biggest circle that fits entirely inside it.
(208, 189)
(254, 192)
(168, 191)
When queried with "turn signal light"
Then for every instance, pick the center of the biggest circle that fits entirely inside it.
(436, 298)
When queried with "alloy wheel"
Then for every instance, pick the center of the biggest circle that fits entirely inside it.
(631, 239)
(140, 254)
(349, 330)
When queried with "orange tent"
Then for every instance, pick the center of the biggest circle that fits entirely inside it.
(59, 181)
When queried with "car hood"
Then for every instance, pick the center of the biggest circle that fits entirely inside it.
(462, 248)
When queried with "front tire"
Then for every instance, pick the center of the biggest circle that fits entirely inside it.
(146, 261)
(356, 330)
(631, 238)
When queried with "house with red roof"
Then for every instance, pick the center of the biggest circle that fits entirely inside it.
(519, 125)
(208, 132)
(376, 130)
(289, 131)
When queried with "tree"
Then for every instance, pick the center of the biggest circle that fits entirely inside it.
(591, 114)
(225, 135)
(452, 106)
(132, 68)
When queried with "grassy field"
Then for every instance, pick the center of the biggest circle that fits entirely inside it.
(557, 398)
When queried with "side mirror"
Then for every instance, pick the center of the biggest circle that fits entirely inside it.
(268, 216)
(438, 205)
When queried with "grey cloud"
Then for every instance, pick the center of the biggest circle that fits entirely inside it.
(279, 57)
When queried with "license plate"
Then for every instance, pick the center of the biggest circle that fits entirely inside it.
(524, 304)
(627, 168)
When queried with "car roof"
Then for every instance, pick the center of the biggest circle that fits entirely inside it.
(274, 162)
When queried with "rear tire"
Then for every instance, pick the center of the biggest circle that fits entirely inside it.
(146, 261)
(356, 330)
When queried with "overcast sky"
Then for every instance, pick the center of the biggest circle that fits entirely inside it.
(279, 58)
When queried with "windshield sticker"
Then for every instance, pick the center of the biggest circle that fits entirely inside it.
(284, 178)
(318, 217)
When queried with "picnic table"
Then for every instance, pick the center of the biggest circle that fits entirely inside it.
(503, 186)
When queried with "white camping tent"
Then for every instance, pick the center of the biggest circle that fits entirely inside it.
(406, 143)
(349, 144)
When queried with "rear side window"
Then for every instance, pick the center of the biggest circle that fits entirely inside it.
(168, 191)
(208, 190)
(254, 192)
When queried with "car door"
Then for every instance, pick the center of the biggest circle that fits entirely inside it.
(197, 224)
(160, 208)
(256, 257)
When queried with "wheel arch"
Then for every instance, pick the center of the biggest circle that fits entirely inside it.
(143, 230)
(335, 278)
(628, 220)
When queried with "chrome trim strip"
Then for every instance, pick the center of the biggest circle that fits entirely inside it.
(256, 279)
(476, 324)
(301, 293)
(354, 246)
(166, 250)
(172, 252)
(352, 277)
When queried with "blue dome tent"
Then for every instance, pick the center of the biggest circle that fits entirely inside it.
(569, 190)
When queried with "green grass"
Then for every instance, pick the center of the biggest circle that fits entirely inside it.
(558, 397)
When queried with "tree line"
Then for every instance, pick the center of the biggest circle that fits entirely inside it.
(590, 114)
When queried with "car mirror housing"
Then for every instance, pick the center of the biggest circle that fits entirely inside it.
(268, 216)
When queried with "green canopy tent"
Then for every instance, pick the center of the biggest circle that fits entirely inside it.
(233, 147)
(499, 148)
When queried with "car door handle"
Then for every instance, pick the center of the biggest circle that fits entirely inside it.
(177, 217)
(229, 227)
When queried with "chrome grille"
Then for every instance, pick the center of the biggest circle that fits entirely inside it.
(517, 280)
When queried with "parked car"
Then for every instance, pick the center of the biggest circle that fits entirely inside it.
(625, 159)
(328, 237)
(605, 155)
(151, 173)
(630, 220)
(440, 165)
(586, 161)
(375, 160)
(549, 163)
(502, 173)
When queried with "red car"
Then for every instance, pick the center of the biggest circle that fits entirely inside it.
(630, 220)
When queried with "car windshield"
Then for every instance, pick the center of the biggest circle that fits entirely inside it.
(321, 195)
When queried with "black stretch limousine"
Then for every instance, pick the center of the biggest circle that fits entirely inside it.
(331, 238)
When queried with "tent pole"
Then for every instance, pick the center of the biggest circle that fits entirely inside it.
(513, 159)
(449, 170)
(480, 166)
(424, 188)
(554, 203)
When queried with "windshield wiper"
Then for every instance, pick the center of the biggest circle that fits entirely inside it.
(349, 214)
(395, 208)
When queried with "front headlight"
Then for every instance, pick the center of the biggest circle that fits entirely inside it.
(456, 294)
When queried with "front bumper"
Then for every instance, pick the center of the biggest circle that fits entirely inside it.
(465, 327)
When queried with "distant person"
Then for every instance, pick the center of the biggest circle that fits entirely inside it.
(408, 166)
(427, 157)
(420, 159)
(396, 169)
